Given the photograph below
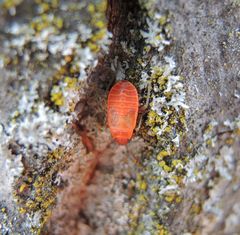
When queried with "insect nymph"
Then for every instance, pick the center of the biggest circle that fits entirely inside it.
(122, 111)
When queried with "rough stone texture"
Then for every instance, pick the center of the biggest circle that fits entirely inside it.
(208, 50)
(93, 185)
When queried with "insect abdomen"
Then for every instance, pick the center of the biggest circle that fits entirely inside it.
(122, 111)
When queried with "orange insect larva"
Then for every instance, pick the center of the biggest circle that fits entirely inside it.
(122, 111)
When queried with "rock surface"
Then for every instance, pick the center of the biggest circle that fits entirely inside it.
(60, 170)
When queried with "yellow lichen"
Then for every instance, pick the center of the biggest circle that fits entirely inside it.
(229, 141)
(3, 209)
(161, 230)
(162, 154)
(164, 166)
(93, 47)
(157, 73)
(176, 162)
(170, 198)
(208, 129)
(58, 22)
(99, 35)
(165, 125)
(100, 24)
(209, 142)
(142, 198)
(102, 6)
(8, 4)
(44, 7)
(147, 48)
(237, 131)
(91, 8)
(178, 199)
(45, 21)
(57, 98)
(143, 185)
(97, 12)
(22, 187)
(22, 210)
(163, 19)
(15, 114)
(195, 208)
(71, 82)
(168, 129)
(42, 196)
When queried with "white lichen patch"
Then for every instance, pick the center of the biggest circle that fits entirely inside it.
(155, 36)
(168, 99)
(31, 125)
(208, 131)
(35, 124)
(42, 38)
(35, 129)
(144, 80)
(119, 68)
(194, 167)
(11, 167)
(203, 164)
(52, 43)
(232, 221)
(215, 165)
(40, 129)
(226, 162)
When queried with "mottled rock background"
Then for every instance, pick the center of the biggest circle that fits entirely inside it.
(60, 170)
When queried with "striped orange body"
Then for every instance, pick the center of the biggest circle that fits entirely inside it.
(122, 111)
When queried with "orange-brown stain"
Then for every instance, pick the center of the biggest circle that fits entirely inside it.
(122, 111)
